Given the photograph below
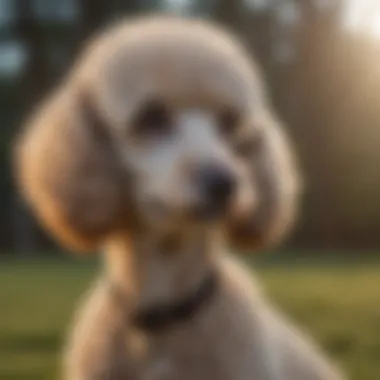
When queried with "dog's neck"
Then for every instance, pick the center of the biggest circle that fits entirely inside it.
(155, 269)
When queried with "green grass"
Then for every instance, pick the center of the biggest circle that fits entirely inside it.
(338, 305)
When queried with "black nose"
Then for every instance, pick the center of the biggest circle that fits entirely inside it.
(217, 184)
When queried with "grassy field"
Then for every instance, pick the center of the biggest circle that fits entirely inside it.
(339, 305)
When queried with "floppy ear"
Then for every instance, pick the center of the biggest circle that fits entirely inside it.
(277, 183)
(68, 173)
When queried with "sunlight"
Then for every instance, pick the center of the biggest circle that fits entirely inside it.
(363, 16)
(375, 24)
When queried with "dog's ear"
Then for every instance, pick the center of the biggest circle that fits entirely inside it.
(68, 173)
(277, 183)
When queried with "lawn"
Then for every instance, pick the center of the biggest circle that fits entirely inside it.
(338, 305)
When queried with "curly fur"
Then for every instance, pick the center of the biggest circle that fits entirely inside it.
(83, 173)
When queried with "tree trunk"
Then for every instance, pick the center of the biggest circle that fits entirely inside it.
(96, 13)
(33, 82)
(229, 12)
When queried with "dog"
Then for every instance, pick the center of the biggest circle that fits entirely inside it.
(161, 149)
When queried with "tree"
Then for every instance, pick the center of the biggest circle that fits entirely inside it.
(228, 12)
(33, 82)
(95, 13)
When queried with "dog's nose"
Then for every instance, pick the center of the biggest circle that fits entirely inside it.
(217, 184)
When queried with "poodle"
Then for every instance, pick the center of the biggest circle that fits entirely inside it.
(161, 149)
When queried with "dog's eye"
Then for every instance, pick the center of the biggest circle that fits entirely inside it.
(228, 120)
(152, 120)
(249, 146)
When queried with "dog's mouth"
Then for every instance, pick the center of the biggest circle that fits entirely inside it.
(199, 213)
(209, 211)
(204, 208)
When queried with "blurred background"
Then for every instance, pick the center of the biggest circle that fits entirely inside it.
(321, 60)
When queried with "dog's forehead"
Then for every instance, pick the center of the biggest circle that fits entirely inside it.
(185, 64)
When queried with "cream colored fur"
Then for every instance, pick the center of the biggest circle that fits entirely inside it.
(94, 185)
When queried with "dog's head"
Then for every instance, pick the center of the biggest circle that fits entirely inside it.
(163, 125)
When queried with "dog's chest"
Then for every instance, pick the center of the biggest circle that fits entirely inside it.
(197, 358)
(186, 367)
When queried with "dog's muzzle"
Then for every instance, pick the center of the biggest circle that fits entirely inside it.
(216, 186)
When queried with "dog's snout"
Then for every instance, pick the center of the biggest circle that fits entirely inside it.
(217, 184)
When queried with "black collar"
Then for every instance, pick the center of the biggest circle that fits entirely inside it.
(164, 316)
